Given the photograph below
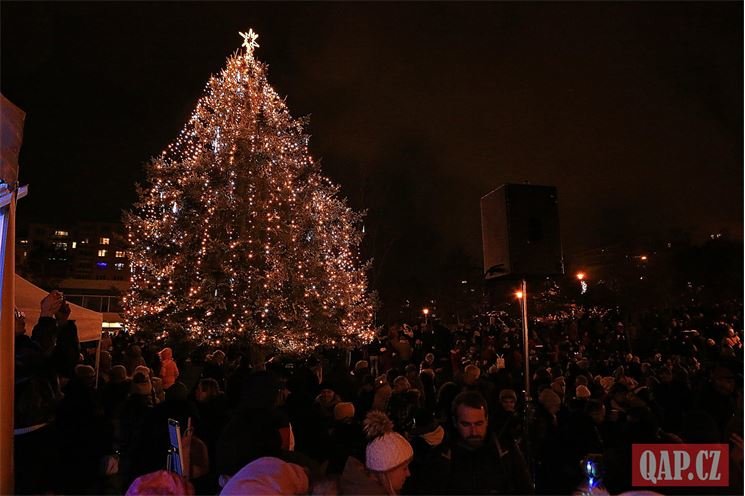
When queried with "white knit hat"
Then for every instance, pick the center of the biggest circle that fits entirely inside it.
(387, 449)
(268, 476)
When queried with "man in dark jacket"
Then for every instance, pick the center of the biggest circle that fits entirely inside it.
(479, 463)
(35, 434)
(430, 465)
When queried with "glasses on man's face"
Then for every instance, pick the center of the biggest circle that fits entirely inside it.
(20, 315)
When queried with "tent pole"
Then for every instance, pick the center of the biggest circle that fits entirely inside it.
(98, 362)
(7, 346)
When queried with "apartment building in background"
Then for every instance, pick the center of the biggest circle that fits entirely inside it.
(87, 261)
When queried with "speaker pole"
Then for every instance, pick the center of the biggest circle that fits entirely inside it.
(526, 370)
(526, 351)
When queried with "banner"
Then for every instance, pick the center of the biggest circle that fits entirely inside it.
(11, 137)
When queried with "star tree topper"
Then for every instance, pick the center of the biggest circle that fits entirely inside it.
(249, 42)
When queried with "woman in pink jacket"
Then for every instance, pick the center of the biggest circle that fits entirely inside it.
(168, 368)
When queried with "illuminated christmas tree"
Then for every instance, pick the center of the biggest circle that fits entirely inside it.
(238, 236)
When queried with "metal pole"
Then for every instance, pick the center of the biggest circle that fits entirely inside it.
(526, 370)
(526, 351)
(98, 362)
(7, 346)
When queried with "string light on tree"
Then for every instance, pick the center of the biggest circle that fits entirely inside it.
(238, 235)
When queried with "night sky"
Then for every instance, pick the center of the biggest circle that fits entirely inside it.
(633, 110)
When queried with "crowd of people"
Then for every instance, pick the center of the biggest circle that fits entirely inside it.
(423, 409)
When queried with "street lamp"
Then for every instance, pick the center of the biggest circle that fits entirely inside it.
(582, 283)
(522, 297)
(425, 311)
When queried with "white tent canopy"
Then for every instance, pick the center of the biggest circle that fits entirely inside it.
(28, 298)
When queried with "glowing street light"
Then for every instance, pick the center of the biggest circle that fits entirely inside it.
(425, 311)
(582, 283)
(522, 298)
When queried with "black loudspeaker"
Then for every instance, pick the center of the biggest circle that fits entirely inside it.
(520, 231)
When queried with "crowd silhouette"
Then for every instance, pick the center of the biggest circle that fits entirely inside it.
(422, 409)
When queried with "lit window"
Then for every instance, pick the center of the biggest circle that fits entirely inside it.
(101, 253)
(74, 244)
(24, 241)
(119, 266)
(119, 254)
(102, 265)
(60, 245)
(104, 241)
(61, 233)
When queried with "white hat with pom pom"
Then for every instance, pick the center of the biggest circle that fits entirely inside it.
(386, 449)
